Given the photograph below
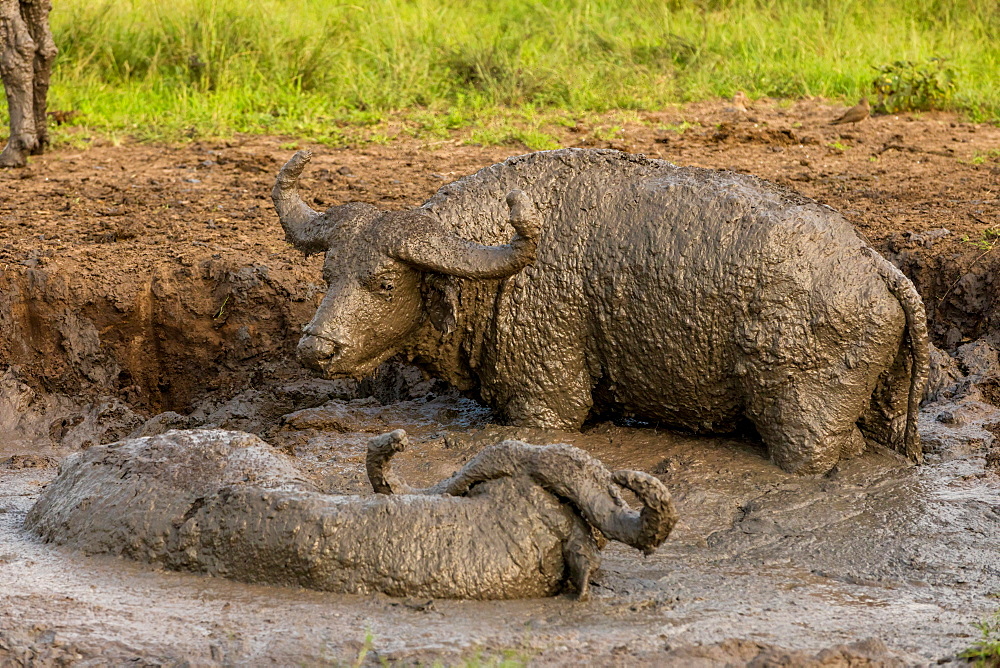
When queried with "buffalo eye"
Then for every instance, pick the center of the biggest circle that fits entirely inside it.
(382, 284)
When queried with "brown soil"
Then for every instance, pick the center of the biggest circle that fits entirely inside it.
(138, 279)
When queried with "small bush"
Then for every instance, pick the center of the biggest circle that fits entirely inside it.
(909, 86)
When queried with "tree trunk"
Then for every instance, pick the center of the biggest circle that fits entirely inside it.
(26, 54)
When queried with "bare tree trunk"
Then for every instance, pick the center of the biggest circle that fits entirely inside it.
(26, 54)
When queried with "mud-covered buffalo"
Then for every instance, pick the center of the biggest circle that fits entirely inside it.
(516, 521)
(686, 297)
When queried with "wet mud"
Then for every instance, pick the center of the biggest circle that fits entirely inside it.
(126, 318)
(782, 563)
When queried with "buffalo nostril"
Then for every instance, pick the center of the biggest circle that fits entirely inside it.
(335, 338)
(316, 349)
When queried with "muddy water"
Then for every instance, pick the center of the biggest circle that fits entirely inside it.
(876, 549)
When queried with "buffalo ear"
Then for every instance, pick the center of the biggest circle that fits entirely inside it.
(441, 302)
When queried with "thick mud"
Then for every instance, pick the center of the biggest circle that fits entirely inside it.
(149, 288)
(877, 549)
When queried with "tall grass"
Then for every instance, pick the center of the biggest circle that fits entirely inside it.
(307, 67)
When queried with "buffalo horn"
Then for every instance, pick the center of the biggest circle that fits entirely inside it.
(430, 247)
(301, 223)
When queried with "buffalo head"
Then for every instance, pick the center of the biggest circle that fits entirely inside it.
(378, 268)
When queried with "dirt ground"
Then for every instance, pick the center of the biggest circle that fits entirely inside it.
(139, 279)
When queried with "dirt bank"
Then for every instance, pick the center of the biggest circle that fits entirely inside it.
(141, 279)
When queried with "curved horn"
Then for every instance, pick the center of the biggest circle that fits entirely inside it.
(574, 475)
(656, 519)
(298, 220)
(378, 463)
(432, 248)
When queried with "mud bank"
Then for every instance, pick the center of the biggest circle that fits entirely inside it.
(959, 289)
(90, 352)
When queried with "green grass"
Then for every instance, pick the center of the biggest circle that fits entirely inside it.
(333, 72)
(983, 157)
(987, 239)
(985, 652)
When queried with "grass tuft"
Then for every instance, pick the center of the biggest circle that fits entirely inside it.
(985, 652)
(316, 68)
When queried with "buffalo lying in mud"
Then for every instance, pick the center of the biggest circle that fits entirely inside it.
(681, 296)
(515, 522)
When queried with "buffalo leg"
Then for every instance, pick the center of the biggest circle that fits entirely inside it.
(553, 402)
(17, 56)
(563, 470)
(807, 426)
(378, 463)
(557, 395)
(36, 14)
